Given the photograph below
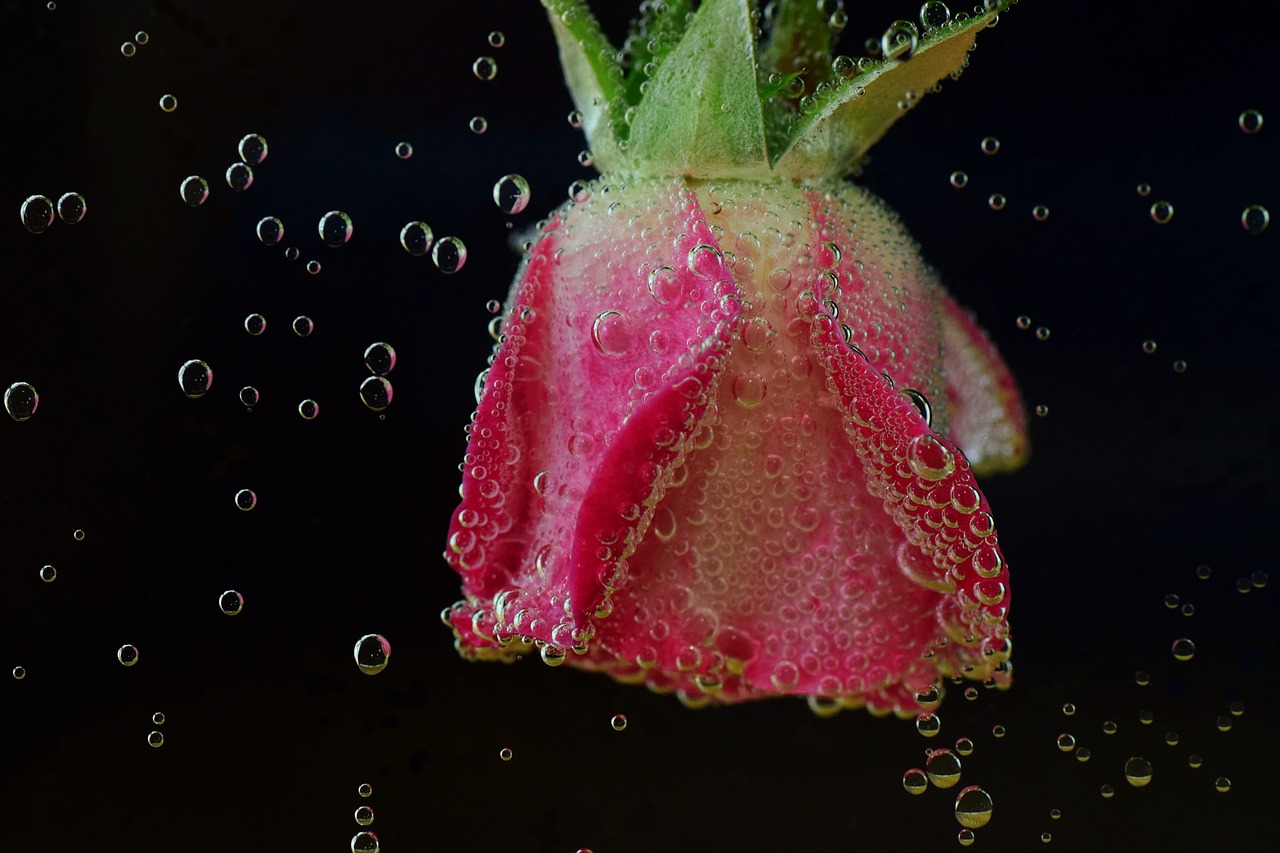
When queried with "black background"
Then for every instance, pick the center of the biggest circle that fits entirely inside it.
(1138, 475)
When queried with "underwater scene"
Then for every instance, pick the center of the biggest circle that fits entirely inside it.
(513, 426)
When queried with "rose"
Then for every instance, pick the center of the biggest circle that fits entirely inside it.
(718, 449)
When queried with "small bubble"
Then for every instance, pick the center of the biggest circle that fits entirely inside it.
(1040, 213)
(270, 230)
(934, 14)
(1023, 322)
(928, 724)
(21, 401)
(619, 722)
(78, 535)
(1146, 717)
(404, 150)
(245, 500)
(1046, 837)
(1194, 761)
(255, 324)
(231, 602)
(365, 789)
(1142, 678)
(239, 176)
(493, 306)
(195, 378)
(37, 214)
(1144, 190)
(1171, 738)
(1255, 218)
(416, 238)
(334, 228)
(1243, 586)
(363, 815)
(914, 781)
(989, 145)
(497, 39)
(998, 731)
(943, 768)
(1171, 600)
(48, 574)
(1066, 742)
(449, 254)
(1250, 121)
(292, 254)
(1179, 366)
(308, 409)
(966, 837)
(996, 201)
(973, 807)
(579, 192)
(505, 754)
(575, 120)
(19, 672)
(1137, 771)
(168, 103)
(364, 842)
(141, 37)
(157, 719)
(511, 194)
(128, 49)
(372, 653)
(1188, 609)
(194, 190)
(1149, 347)
(1161, 212)
(1223, 723)
(964, 746)
(1042, 410)
(1236, 708)
(1042, 333)
(1222, 784)
(252, 148)
(1068, 709)
(959, 180)
(127, 655)
(1083, 754)
(303, 326)
(478, 125)
(586, 159)
(313, 267)
(380, 358)
(155, 739)
(71, 208)
(376, 392)
(485, 68)
(1204, 572)
(1107, 792)
(1109, 727)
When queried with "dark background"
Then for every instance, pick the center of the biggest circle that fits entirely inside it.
(1138, 475)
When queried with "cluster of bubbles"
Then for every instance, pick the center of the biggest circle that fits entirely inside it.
(364, 841)
(37, 211)
(129, 48)
(155, 737)
(376, 391)
(252, 148)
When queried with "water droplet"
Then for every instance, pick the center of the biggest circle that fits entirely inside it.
(157, 719)
(478, 125)
(364, 842)
(363, 815)
(485, 68)
(416, 238)
(37, 214)
(973, 807)
(959, 180)
(900, 40)
(249, 396)
(611, 334)
(71, 208)
(1255, 218)
(231, 602)
(511, 194)
(141, 37)
(128, 49)
(1250, 121)
(1183, 649)
(21, 400)
(239, 176)
(989, 145)
(168, 103)
(155, 740)
(48, 574)
(380, 358)
(996, 201)
(195, 378)
(19, 672)
(404, 150)
(943, 768)
(1040, 213)
(308, 409)
(334, 228)
(127, 655)
(194, 190)
(749, 389)
(914, 781)
(1144, 190)
(365, 789)
(619, 722)
(505, 754)
(376, 393)
(1161, 212)
(449, 254)
(246, 500)
(303, 326)
(372, 653)
(930, 458)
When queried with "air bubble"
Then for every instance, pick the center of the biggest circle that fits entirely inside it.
(365, 842)
(128, 49)
(505, 754)
(380, 358)
(1043, 333)
(580, 192)
(255, 324)
(141, 37)
(1023, 322)
(1161, 212)
(478, 125)
(19, 672)
(246, 500)
(363, 815)
(989, 145)
(194, 190)
(485, 68)
(416, 238)
(996, 201)
(449, 255)
(497, 39)
(376, 393)
(959, 180)
(270, 230)
(157, 719)
(749, 389)
(1149, 346)
(249, 396)
(195, 378)
(303, 326)
(231, 602)
(239, 176)
(71, 208)
(364, 789)
(914, 781)
(1250, 121)
(252, 148)
(1183, 649)
(1255, 218)
(619, 722)
(928, 724)
(1179, 366)
(1144, 190)
(155, 740)
(37, 214)
(511, 194)
(943, 768)
(313, 267)
(48, 574)
(404, 150)
(168, 103)
(308, 409)
(900, 40)
(1222, 784)
(127, 655)
(973, 807)
(611, 334)
(1040, 213)
(21, 400)
(1137, 771)
(372, 653)
(934, 14)
(334, 228)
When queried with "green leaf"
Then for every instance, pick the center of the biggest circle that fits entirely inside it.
(592, 73)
